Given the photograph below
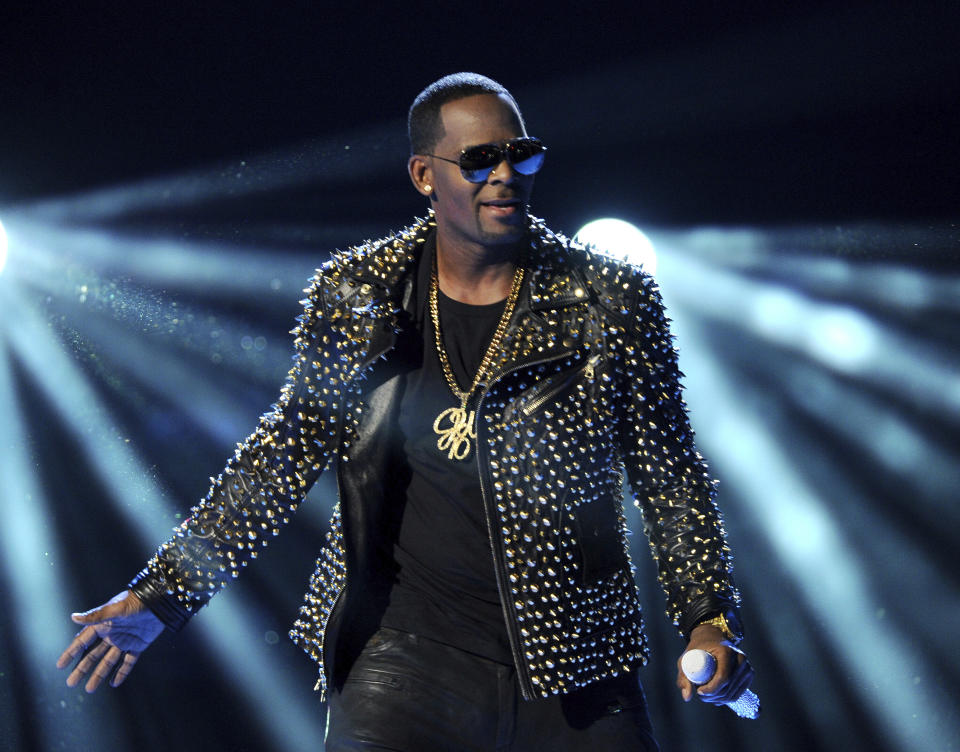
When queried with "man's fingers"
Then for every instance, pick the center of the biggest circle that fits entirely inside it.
(83, 639)
(85, 617)
(122, 604)
(713, 686)
(726, 666)
(733, 685)
(99, 661)
(94, 615)
(129, 659)
(86, 663)
(685, 686)
(104, 668)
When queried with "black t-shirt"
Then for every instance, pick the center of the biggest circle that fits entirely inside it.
(445, 587)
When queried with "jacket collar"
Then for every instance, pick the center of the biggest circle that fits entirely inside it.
(553, 281)
(389, 265)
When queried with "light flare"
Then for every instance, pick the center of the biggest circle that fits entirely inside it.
(619, 239)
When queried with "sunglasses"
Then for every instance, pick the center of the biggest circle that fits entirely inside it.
(525, 155)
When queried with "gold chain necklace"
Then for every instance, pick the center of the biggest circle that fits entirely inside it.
(454, 425)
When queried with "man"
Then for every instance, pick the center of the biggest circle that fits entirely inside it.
(480, 384)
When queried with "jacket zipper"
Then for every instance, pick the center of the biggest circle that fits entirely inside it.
(323, 637)
(534, 404)
(523, 674)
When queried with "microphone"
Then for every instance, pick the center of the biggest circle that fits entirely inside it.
(699, 665)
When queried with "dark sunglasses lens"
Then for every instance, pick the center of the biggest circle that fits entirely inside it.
(479, 157)
(526, 155)
(530, 165)
(477, 162)
(476, 176)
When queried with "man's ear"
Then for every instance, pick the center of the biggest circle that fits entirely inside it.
(421, 174)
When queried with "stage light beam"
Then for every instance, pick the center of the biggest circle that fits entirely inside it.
(138, 499)
(837, 336)
(3, 248)
(814, 549)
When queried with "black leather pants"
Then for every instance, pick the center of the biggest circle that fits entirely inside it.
(409, 694)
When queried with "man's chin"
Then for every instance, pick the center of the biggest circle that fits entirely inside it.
(515, 235)
(505, 229)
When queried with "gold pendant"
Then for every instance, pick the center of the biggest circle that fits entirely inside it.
(455, 440)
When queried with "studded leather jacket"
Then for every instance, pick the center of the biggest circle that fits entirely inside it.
(585, 387)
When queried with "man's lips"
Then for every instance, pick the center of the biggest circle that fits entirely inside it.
(503, 207)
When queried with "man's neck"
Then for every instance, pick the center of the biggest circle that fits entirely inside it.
(477, 275)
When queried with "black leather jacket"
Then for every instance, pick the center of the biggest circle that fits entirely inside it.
(585, 387)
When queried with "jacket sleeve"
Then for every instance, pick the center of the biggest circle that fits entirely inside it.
(668, 476)
(262, 484)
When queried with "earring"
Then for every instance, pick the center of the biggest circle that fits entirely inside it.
(428, 188)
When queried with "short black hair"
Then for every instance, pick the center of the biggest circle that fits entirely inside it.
(424, 126)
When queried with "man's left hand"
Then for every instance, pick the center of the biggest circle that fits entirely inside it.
(733, 674)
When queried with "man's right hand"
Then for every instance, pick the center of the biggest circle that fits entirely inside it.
(116, 632)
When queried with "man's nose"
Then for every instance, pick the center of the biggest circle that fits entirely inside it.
(503, 172)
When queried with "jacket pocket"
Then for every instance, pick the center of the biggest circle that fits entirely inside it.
(552, 387)
(600, 539)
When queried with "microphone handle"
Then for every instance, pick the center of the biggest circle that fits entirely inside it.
(747, 705)
(699, 666)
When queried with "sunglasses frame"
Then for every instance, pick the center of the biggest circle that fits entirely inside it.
(502, 152)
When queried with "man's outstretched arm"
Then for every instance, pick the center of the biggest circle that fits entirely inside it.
(255, 495)
(112, 639)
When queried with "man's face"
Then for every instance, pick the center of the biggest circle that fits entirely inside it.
(492, 212)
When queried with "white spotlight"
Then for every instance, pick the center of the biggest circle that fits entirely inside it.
(844, 338)
(3, 248)
(621, 240)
